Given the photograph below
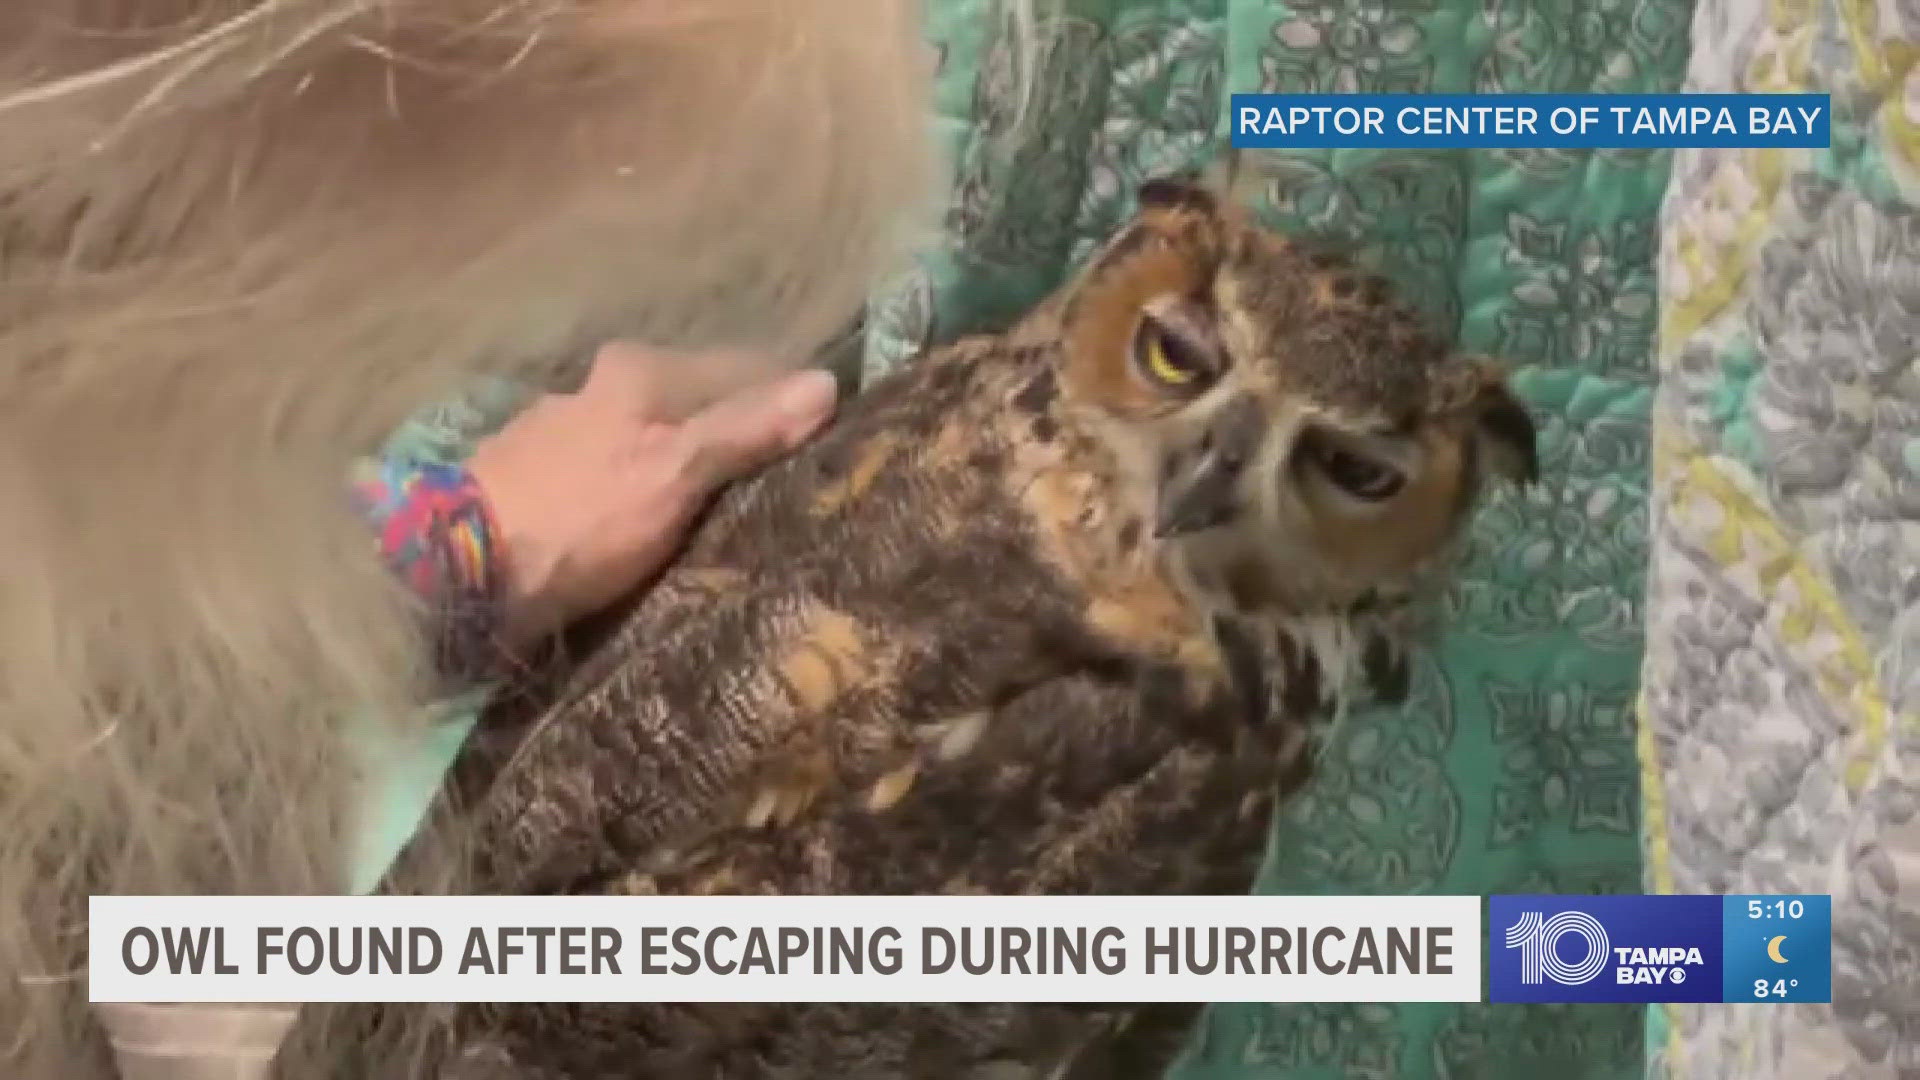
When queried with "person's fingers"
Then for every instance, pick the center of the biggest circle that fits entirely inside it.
(747, 430)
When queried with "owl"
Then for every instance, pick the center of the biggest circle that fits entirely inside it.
(1049, 611)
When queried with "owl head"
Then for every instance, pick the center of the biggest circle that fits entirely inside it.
(1301, 441)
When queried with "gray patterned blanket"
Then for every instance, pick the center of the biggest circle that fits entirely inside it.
(1779, 744)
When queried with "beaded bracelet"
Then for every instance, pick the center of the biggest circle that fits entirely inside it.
(435, 533)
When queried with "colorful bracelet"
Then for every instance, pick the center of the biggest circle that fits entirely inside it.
(434, 532)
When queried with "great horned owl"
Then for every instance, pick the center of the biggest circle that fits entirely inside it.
(1045, 612)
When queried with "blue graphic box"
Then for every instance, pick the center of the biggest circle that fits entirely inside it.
(1647, 948)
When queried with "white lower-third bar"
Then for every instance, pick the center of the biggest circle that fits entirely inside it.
(785, 949)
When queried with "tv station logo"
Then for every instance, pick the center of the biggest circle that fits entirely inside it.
(1655, 948)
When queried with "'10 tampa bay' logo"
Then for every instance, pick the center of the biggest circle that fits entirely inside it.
(1538, 938)
(1604, 948)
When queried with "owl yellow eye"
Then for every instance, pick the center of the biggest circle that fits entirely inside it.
(1162, 365)
(1169, 359)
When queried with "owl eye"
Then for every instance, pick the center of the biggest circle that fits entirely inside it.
(1169, 359)
(1359, 476)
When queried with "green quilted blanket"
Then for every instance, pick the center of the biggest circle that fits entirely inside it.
(1512, 767)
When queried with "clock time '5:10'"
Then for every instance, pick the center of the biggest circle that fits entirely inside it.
(1776, 909)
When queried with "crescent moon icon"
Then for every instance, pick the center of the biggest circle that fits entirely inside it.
(1773, 950)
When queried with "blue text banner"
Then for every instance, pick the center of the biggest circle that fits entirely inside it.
(1561, 121)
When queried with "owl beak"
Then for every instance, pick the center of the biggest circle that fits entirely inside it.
(1200, 487)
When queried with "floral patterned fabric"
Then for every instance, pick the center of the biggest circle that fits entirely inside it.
(1780, 744)
(1512, 767)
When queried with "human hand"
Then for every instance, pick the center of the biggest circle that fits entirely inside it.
(591, 492)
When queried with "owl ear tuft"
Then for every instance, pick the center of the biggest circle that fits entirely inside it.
(1229, 180)
(1179, 191)
(1503, 425)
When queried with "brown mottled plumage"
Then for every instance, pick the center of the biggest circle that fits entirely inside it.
(1046, 612)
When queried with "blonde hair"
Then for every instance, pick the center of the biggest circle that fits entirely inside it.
(240, 240)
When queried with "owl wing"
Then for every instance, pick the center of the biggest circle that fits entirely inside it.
(1109, 781)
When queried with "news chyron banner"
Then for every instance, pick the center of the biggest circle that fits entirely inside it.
(911, 949)
(920, 949)
(1530, 121)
